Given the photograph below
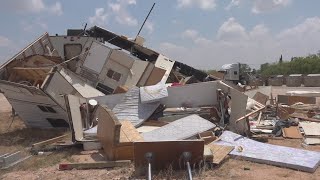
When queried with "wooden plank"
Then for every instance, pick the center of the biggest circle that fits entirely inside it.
(167, 153)
(292, 132)
(94, 165)
(41, 144)
(249, 114)
(220, 152)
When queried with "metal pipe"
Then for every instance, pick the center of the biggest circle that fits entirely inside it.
(149, 171)
(187, 157)
(189, 171)
(144, 21)
(148, 156)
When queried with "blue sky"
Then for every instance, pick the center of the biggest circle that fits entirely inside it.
(202, 33)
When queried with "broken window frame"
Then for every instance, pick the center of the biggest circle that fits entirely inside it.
(59, 123)
(46, 109)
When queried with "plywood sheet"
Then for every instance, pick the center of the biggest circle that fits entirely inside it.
(130, 108)
(129, 133)
(293, 158)
(180, 129)
(108, 130)
(292, 132)
(167, 153)
(310, 128)
(219, 152)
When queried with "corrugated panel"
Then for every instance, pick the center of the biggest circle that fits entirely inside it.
(132, 109)
(183, 128)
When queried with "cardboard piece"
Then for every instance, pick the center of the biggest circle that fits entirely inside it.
(180, 129)
(292, 132)
(293, 158)
(167, 153)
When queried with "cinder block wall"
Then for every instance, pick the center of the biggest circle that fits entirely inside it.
(277, 81)
(294, 81)
(312, 81)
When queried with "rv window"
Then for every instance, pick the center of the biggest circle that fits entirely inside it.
(116, 76)
(110, 73)
(47, 109)
(113, 75)
(58, 122)
(235, 72)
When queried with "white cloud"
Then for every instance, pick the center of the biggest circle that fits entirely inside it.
(190, 34)
(100, 18)
(120, 12)
(233, 43)
(30, 26)
(202, 4)
(194, 36)
(149, 26)
(233, 3)
(231, 30)
(5, 42)
(31, 6)
(56, 9)
(261, 6)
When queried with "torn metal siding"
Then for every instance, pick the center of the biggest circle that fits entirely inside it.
(26, 101)
(64, 82)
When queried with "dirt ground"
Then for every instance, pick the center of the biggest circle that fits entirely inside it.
(19, 137)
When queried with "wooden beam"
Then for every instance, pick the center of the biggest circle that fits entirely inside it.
(41, 144)
(94, 165)
(249, 114)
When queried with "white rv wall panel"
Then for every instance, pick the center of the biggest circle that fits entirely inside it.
(96, 57)
(194, 95)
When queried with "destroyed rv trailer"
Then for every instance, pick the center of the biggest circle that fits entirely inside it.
(95, 64)
(138, 105)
